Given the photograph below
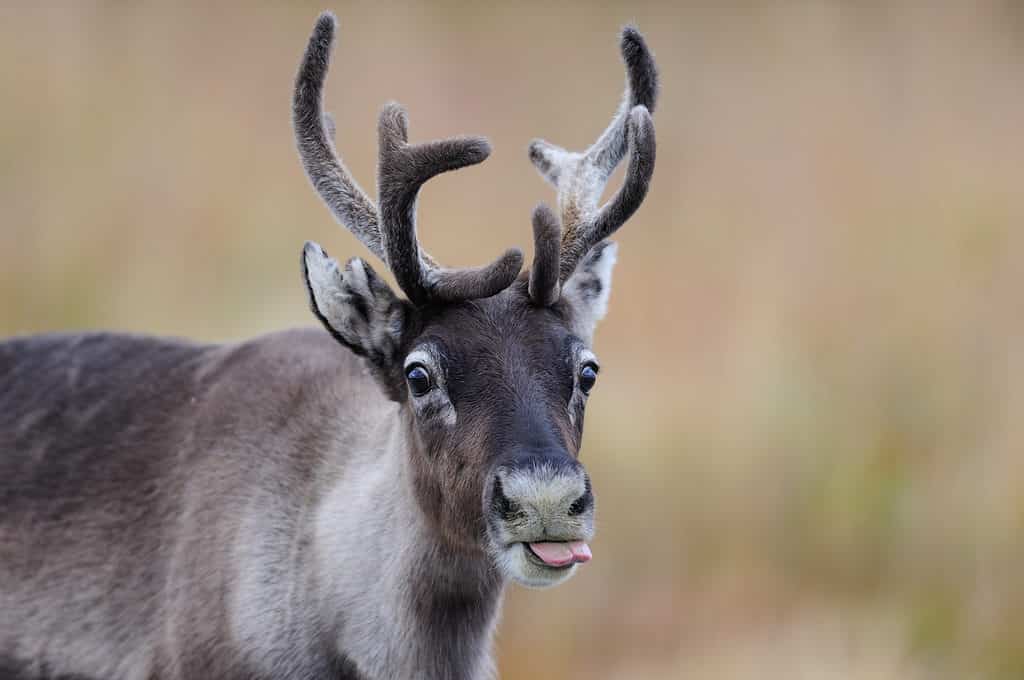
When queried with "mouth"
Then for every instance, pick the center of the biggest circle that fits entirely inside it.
(558, 554)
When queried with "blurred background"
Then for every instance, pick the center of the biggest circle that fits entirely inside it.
(808, 437)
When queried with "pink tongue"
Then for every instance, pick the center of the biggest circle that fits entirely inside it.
(561, 554)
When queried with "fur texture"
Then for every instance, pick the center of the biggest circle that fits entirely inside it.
(588, 289)
(359, 310)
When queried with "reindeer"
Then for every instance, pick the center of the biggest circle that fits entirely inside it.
(306, 505)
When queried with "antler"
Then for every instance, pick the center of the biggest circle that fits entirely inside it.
(390, 231)
(580, 177)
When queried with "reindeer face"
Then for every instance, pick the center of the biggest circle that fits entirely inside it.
(492, 369)
(496, 389)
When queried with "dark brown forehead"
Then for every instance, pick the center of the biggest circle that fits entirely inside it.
(509, 366)
(503, 320)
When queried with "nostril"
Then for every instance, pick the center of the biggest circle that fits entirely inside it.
(502, 504)
(580, 505)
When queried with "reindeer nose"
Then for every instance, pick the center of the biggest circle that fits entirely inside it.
(547, 491)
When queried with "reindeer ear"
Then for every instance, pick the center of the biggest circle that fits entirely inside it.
(589, 286)
(358, 308)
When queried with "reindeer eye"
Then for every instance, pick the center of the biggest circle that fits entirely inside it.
(588, 376)
(419, 380)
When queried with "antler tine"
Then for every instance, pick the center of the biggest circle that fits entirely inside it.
(545, 270)
(403, 169)
(314, 137)
(641, 90)
(580, 177)
(390, 230)
(578, 240)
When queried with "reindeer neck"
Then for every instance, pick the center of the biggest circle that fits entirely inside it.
(394, 593)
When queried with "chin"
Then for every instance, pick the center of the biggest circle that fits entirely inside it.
(516, 563)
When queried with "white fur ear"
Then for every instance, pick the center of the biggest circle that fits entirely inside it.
(355, 305)
(590, 286)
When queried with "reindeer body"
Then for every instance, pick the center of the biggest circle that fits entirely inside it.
(261, 524)
(314, 505)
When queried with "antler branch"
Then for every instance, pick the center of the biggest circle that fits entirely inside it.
(314, 134)
(390, 230)
(580, 177)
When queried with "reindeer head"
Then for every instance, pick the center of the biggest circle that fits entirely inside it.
(491, 368)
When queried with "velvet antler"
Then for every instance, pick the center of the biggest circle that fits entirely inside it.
(390, 230)
(580, 177)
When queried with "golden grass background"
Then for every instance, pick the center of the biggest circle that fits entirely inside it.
(808, 440)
